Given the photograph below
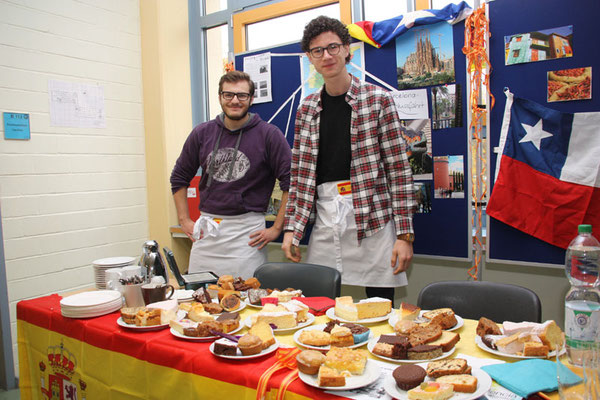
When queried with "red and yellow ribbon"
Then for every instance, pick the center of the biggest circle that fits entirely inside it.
(286, 358)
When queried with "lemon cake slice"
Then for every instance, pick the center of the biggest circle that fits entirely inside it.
(408, 312)
(431, 391)
(344, 359)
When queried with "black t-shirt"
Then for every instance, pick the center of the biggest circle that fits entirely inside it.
(333, 162)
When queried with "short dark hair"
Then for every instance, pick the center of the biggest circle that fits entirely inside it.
(236, 76)
(324, 24)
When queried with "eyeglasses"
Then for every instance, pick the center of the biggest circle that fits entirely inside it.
(230, 95)
(332, 49)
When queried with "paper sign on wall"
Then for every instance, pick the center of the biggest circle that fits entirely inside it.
(77, 105)
(259, 69)
(16, 126)
(411, 104)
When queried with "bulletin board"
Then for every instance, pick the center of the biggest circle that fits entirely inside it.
(529, 80)
(445, 232)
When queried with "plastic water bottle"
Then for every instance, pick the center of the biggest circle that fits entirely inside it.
(582, 303)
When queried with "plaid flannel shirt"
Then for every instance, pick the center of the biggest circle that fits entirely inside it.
(382, 184)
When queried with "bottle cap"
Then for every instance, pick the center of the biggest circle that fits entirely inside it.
(584, 229)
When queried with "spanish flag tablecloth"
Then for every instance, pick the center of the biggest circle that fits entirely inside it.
(68, 359)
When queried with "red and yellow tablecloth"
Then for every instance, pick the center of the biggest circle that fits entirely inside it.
(63, 358)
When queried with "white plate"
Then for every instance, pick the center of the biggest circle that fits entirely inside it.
(484, 347)
(113, 261)
(239, 355)
(373, 342)
(320, 327)
(90, 299)
(331, 314)
(371, 374)
(309, 320)
(205, 338)
(120, 322)
(484, 383)
(252, 305)
(394, 319)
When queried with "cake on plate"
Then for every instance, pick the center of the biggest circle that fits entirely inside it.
(373, 307)
(345, 359)
(408, 312)
(431, 391)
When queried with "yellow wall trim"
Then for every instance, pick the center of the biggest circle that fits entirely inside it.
(240, 20)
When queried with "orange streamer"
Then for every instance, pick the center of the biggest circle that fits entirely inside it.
(479, 68)
(286, 358)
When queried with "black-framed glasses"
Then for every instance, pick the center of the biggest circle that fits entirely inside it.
(230, 95)
(332, 49)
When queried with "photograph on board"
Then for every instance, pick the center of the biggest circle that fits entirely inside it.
(570, 84)
(547, 44)
(423, 196)
(446, 106)
(417, 134)
(449, 177)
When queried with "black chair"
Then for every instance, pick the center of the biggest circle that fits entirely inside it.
(314, 280)
(188, 281)
(475, 299)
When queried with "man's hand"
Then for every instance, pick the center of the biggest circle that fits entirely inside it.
(187, 226)
(402, 254)
(264, 236)
(291, 252)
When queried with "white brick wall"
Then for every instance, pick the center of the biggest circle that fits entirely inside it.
(70, 195)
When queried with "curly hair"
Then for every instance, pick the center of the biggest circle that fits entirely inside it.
(236, 76)
(324, 24)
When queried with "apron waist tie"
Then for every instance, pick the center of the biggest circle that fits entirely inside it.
(205, 226)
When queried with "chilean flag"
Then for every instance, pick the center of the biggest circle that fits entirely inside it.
(380, 33)
(548, 180)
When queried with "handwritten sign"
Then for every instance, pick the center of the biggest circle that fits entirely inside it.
(411, 104)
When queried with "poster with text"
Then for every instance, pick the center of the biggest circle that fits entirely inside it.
(411, 104)
(259, 69)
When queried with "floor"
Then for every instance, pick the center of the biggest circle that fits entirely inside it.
(10, 395)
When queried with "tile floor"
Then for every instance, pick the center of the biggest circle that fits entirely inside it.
(10, 395)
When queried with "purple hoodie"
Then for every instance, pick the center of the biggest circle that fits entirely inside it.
(262, 155)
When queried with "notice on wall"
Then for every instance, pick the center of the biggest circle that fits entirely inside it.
(259, 69)
(16, 126)
(77, 105)
(411, 104)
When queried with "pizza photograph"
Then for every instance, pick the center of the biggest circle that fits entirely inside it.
(570, 84)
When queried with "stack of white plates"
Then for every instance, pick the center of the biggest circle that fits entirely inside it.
(100, 267)
(183, 296)
(91, 304)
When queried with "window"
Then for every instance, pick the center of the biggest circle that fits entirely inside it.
(211, 6)
(516, 53)
(284, 29)
(379, 10)
(216, 56)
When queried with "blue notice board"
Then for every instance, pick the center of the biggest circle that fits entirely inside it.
(16, 126)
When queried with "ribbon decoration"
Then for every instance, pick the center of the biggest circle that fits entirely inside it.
(205, 226)
(286, 358)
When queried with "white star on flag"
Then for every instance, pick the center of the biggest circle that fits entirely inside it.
(409, 19)
(535, 134)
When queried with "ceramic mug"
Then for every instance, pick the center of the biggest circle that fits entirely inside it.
(112, 279)
(133, 295)
(153, 293)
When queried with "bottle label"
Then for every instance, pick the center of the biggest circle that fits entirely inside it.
(581, 325)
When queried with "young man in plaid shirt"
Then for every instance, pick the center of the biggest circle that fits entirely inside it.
(350, 173)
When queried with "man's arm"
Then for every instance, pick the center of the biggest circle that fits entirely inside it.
(264, 236)
(183, 213)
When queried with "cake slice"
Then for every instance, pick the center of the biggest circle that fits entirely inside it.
(460, 383)
(536, 349)
(182, 324)
(330, 377)
(345, 359)
(168, 310)
(443, 316)
(448, 340)
(146, 317)
(487, 327)
(297, 307)
(341, 336)
(456, 366)
(373, 307)
(431, 391)
(510, 344)
(345, 308)
(264, 332)
(549, 333)
(408, 312)
(424, 333)
(510, 328)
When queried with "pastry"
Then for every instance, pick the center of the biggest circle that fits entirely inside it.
(225, 281)
(213, 308)
(537, 349)
(460, 383)
(252, 282)
(549, 333)
(250, 344)
(309, 361)
(456, 366)
(443, 316)
(225, 347)
(424, 352)
(198, 314)
(264, 332)
(345, 359)
(408, 376)
(201, 295)
(254, 296)
(487, 327)
(230, 302)
(240, 285)
(208, 328)
(383, 349)
(330, 377)
(168, 310)
(229, 321)
(341, 336)
(448, 340)
(424, 333)
(404, 327)
(146, 317)
(431, 391)
(359, 333)
(408, 312)
(213, 290)
(128, 314)
(314, 337)
(223, 293)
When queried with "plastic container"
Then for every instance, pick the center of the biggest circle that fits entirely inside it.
(582, 302)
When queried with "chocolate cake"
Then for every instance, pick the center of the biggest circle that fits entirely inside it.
(225, 347)
(202, 296)
(408, 376)
(400, 345)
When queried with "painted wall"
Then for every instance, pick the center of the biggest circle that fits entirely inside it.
(70, 195)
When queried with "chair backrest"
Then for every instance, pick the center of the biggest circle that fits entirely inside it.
(314, 280)
(475, 299)
(173, 266)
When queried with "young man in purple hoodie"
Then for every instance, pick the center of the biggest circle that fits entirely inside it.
(241, 156)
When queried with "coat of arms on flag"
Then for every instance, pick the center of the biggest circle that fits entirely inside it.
(548, 172)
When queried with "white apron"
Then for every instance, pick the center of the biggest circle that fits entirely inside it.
(333, 241)
(223, 245)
